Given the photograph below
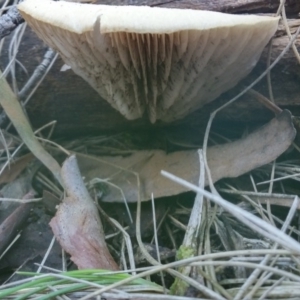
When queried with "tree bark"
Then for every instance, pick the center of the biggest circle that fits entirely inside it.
(78, 109)
(228, 6)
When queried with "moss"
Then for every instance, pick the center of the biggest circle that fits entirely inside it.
(179, 286)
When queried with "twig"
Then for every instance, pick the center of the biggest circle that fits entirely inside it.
(282, 2)
(269, 80)
(125, 234)
(206, 259)
(10, 21)
(189, 246)
(38, 73)
(286, 25)
(156, 241)
(46, 255)
(35, 80)
(266, 274)
(245, 217)
(265, 101)
(210, 293)
(271, 288)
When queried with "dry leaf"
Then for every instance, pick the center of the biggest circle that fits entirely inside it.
(77, 225)
(14, 222)
(11, 172)
(227, 160)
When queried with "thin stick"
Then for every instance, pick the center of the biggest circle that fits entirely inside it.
(156, 241)
(154, 262)
(46, 255)
(265, 101)
(287, 29)
(245, 217)
(38, 73)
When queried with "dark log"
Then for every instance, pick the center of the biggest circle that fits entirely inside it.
(228, 6)
(78, 109)
(14, 222)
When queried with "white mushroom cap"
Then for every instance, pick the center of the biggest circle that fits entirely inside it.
(165, 62)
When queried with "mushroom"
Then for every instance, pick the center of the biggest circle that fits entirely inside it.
(161, 62)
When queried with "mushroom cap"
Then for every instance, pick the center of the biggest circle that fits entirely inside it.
(163, 62)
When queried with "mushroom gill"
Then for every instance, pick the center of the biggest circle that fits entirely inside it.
(162, 62)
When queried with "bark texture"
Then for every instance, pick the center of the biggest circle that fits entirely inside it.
(229, 6)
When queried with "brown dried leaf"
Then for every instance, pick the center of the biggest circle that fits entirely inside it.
(11, 172)
(32, 246)
(77, 225)
(228, 160)
(13, 222)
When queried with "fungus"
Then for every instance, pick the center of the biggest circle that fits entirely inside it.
(161, 62)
